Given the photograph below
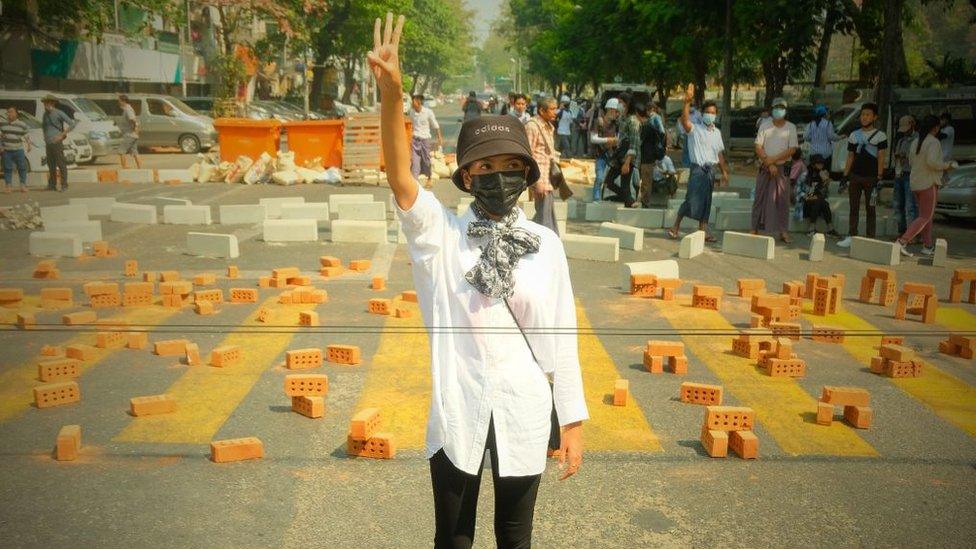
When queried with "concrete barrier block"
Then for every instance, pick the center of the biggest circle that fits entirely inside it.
(98, 205)
(336, 199)
(47, 244)
(136, 176)
(83, 176)
(183, 176)
(39, 179)
(875, 251)
(675, 203)
(666, 268)
(748, 245)
(290, 230)
(273, 205)
(817, 244)
(941, 253)
(351, 230)
(686, 223)
(64, 214)
(362, 211)
(243, 214)
(88, 231)
(318, 211)
(593, 248)
(561, 226)
(133, 213)
(692, 245)
(186, 215)
(645, 218)
(561, 210)
(631, 238)
(212, 245)
(600, 211)
(733, 220)
(575, 209)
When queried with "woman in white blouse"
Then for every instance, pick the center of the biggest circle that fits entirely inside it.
(494, 289)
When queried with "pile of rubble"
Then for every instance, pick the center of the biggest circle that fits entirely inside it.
(20, 216)
(280, 170)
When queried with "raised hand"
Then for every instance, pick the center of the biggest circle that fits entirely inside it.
(384, 60)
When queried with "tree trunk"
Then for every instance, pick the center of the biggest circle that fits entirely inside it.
(348, 78)
(823, 50)
(890, 58)
(727, 76)
(699, 68)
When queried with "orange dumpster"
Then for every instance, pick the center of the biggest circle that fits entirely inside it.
(309, 139)
(243, 136)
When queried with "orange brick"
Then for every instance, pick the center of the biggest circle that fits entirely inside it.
(25, 320)
(243, 295)
(678, 364)
(52, 350)
(68, 443)
(364, 424)
(877, 365)
(912, 368)
(137, 300)
(892, 340)
(263, 315)
(729, 418)
(100, 248)
(215, 295)
(653, 363)
(643, 285)
(379, 446)
(308, 318)
(786, 329)
(138, 288)
(285, 272)
(319, 296)
(403, 313)
(778, 367)
(233, 271)
(306, 385)
(176, 287)
(845, 396)
(825, 413)
(329, 272)
(286, 298)
(360, 265)
(620, 389)
(204, 308)
(897, 353)
(308, 406)
(750, 286)
(152, 405)
(172, 300)
(137, 340)
(110, 340)
(56, 394)
(343, 354)
(378, 283)
(170, 347)
(665, 348)
(706, 302)
(793, 288)
(300, 359)
(204, 279)
(149, 276)
(236, 449)
(264, 282)
(409, 296)
(103, 301)
(859, 417)
(330, 261)
(45, 266)
(225, 355)
(379, 306)
(700, 393)
(169, 276)
(918, 288)
(58, 368)
(130, 268)
(192, 355)
(57, 294)
(716, 442)
(827, 334)
(108, 176)
(99, 288)
(80, 351)
(302, 280)
(744, 444)
(706, 291)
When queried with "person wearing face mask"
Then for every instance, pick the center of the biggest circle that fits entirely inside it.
(603, 136)
(866, 148)
(539, 131)
(500, 283)
(775, 144)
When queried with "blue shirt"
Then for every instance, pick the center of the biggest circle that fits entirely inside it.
(54, 122)
(821, 136)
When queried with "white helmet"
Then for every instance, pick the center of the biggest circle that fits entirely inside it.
(612, 103)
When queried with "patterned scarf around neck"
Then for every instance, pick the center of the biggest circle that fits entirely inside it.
(505, 244)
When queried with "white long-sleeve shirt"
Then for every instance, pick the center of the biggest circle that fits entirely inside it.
(481, 367)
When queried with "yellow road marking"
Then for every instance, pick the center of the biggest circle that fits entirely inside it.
(206, 396)
(31, 304)
(955, 318)
(17, 383)
(949, 397)
(782, 407)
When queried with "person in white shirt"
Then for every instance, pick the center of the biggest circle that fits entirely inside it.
(519, 106)
(775, 144)
(130, 132)
(423, 121)
(487, 274)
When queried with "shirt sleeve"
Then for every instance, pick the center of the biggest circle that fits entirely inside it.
(881, 141)
(761, 138)
(433, 120)
(852, 142)
(69, 122)
(567, 392)
(423, 225)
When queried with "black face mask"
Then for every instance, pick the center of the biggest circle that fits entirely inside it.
(497, 193)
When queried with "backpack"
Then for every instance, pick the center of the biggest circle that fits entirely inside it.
(865, 163)
(652, 143)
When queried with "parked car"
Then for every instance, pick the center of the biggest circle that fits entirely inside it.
(203, 105)
(37, 155)
(958, 197)
(104, 136)
(164, 121)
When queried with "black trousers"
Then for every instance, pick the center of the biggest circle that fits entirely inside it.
(622, 192)
(456, 502)
(55, 162)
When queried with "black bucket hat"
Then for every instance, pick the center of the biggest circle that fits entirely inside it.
(492, 135)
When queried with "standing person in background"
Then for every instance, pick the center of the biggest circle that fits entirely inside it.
(564, 129)
(519, 108)
(13, 141)
(821, 134)
(603, 136)
(130, 132)
(423, 120)
(471, 106)
(652, 150)
(581, 128)
(928, 170)
(507, 107)
(56, 126)
(947, 135)
(866, 148)
(626, 160)
(706, 151)
(539, 131)
(904, 204)
(775, 144)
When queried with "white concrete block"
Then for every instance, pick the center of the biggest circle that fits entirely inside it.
(39, 179)
(675, 203)
(212, 245)
(631, 238)
(351, 230)
(748, 245)
(561, 226)
(593, 248)
(817, 244)
(941, 253)
(601, 211)
(318, 211)
(733, 220)
(136, 176)
(243, 214)
(875, 251)
(561, 210)
(47, 244)
(273, 205)
(362, 211)
(666, 268)
(63, 214)
(183, 176)
(724, 195)
(186, 215)
(290, 230)
(645, 218)
(88, 231)
(133, 213)
(335, 199)
(686, 222)
(97, 205)
(169, 201)
(575, 209)
(83, 176)
(692, 245)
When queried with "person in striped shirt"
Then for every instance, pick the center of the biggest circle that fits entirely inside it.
(13, 139)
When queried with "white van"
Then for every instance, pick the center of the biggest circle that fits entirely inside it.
(37, 155)
(103, 135)
(164, 120)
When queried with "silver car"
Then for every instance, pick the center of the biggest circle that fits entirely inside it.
(164, 121)
(957, 198)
